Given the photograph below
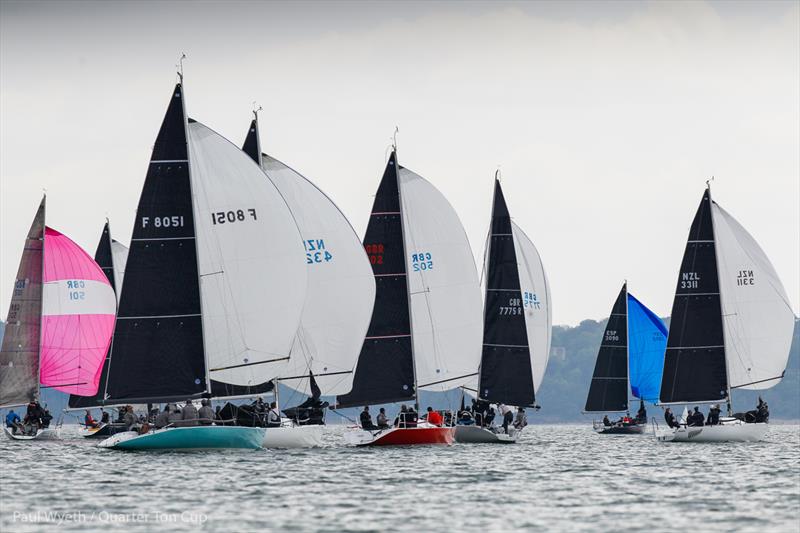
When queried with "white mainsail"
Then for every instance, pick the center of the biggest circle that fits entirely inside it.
(341, 286)
(251, 262)
(535, 302)
(758, 320)
(444, 293)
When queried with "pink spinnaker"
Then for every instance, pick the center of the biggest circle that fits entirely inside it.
(78, 313)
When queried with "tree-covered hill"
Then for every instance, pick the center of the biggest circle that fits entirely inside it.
(563, 392)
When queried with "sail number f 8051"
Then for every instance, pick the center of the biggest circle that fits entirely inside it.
(163, 222)
(239, 215)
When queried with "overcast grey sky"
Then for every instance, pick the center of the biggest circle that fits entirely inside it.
(606, 119)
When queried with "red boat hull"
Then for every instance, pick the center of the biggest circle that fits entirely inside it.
(413, 436)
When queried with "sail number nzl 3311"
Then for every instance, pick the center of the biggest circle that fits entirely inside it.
(229, 217)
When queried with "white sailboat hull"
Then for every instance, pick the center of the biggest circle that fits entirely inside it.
(41, 434)
(293, 437)
(480, 435)
(731, 432)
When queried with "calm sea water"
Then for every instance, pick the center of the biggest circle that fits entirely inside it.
(557, 478)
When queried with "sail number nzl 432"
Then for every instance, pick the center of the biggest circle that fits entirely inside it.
(229, 217)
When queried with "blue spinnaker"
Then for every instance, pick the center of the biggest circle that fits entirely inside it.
(647, 341)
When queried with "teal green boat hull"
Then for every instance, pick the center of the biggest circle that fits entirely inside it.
(190, 438)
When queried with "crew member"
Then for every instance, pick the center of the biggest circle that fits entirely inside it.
(88, 420)
(433, 417)
(366, 419)
(383, 420)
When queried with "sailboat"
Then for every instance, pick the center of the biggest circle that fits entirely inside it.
(426, 322)
(111, 256)
(631, 354)
(214, 286)
(516, 323)
(731, 326)
(58, 327)
(339, 299)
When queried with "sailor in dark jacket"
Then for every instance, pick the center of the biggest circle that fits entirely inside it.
(669, 417)
(713, 416)
(366, 419)
(696, 418)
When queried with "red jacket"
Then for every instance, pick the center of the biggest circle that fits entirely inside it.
(434, 418)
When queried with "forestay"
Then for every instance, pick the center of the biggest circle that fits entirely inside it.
(758, 321)
(251, 263)
(445, 299)
(341, 286)
(78, 311)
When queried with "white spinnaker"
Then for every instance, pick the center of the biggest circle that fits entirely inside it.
(536, 303)
(443, 285)
(341, 286)
(758, 319)
(251, 262)
(119, 256)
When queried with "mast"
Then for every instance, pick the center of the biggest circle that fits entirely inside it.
(627, 344)
(722, 318)
(41, 297)
(203, 332)
(405, 258)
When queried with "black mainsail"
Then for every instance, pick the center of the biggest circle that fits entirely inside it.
(385, 370)
(694, 365)
(608, 391)
(157, 353)
(505, 372)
